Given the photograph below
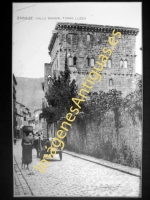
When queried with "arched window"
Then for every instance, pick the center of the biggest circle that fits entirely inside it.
(70, 61)
(109, 63)
(75, 60)
(121, 63)
(88, 37)
(110, 82)
(88, 61)
(106, 64)
(125, 64)
(92, 62)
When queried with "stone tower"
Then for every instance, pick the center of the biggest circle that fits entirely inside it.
(84, 43)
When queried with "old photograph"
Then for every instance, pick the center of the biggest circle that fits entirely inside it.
(77, 99)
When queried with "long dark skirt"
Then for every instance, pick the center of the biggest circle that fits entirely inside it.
(27, 154)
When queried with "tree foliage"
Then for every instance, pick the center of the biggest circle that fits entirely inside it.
(100, 103)
(59, 95)
(133, 103)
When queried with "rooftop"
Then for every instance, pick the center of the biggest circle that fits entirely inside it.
(91, 28)
(20, 104)
(94, 27)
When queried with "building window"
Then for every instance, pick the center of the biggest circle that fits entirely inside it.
(75, 61)
(70, 61)
(125, 64)
(121, 63)
(48, 79)
(110, 82)
(106, 64)
(92, 62)
(88, 37)
(88, 61)
(24, 118)
(109, 63)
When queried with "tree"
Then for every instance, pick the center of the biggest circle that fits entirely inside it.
(59, 95)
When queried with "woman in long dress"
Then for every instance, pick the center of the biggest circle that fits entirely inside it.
(27, 145)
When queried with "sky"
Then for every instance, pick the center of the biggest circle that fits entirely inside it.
(31, 36)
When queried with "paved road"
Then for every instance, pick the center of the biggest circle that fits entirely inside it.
(72, 177)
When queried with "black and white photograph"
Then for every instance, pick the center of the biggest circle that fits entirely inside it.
(77, 99)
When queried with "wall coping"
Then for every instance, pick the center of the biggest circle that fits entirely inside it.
(73, 27)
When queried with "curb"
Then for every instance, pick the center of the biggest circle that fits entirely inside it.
(99, 162)
(15, 162)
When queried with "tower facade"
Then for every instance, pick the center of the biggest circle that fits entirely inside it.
(83, 43)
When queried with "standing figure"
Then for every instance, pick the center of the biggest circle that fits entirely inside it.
(40, 144)
(46, 145)
(27, 149)
(35, 144)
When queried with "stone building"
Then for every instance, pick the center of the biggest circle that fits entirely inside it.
(23, 112)
(22, 117)
(83, 43)
(31, 122)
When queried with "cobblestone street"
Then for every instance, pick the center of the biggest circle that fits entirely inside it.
(71, 177)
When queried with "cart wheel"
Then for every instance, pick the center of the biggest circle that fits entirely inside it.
(60, 155)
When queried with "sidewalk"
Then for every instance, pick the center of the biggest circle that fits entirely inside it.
(32, 183)
(21, 187)
(115, 166)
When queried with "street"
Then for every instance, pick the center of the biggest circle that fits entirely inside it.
(72, 177)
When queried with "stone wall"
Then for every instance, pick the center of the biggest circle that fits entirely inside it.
(94, 135)
(78, 46)
(97, 137)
